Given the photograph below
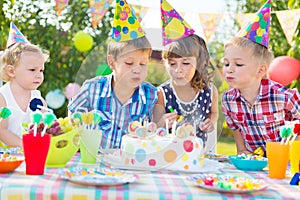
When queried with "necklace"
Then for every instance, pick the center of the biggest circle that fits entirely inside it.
(190, 108)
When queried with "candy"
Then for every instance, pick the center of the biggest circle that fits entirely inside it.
(133, 126)
(180, 118)
(87, 118)
(259, 151)
(151, 127)
(161, 132)
(141, 131)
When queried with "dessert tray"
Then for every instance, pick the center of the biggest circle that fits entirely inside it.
(97, 176)
(227, 183)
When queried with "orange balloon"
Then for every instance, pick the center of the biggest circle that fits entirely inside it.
(284, 69)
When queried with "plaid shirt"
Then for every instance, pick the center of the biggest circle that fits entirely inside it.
(260, 122)
(97, 94)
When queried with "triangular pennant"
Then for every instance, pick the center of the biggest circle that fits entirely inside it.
(174, 27)
(210, 23)
(140, 12)
(15, 36)
(243, 19)
(126, 25)
(257, 30)
(98, 9)
(60, 5)
(288, 20)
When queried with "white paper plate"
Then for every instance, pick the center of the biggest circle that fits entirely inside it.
(97, 176)
(198, 180)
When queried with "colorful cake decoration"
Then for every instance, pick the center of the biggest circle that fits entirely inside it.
(126, 25)
(15, 36)
(174, 27)
(257, 29)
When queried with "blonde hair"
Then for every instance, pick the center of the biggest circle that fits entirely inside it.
(262, 54)
(116, 49)
(12, 55)
(193, 46)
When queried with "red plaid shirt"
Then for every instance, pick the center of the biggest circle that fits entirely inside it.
(260, 122)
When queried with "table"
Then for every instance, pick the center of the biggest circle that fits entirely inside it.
(150, 185)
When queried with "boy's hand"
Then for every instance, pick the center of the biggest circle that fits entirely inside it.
(245, 151)
(207, 126)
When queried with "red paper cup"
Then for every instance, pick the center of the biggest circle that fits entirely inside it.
(35, 151)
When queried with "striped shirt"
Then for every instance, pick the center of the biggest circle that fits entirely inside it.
(97, 94)
(260, 122)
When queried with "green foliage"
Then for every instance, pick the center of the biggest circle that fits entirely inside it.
(38, 21)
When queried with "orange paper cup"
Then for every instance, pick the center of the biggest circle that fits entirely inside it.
(278, 158)
(295, 157)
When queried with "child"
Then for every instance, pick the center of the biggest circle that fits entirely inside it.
(254, 106)
(22, 68)
(123, 96)
(189, 91)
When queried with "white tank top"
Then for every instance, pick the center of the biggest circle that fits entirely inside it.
(18, 116)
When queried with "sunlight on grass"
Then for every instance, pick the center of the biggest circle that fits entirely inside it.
(226, 146)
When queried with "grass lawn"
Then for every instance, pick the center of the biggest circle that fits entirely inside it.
(226, 146)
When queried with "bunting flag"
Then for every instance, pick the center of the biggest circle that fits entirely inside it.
(242, 19)
(140, 12)
(288, 20)
(60, 5)
(98, 9)
(15, 36)
(210, 22)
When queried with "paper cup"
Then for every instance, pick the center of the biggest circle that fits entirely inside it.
(89, 145)
(278, 158)
(295, 157)
(35, 151)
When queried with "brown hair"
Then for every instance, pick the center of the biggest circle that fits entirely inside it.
(117, 49)
(193, 46)
(12, 55)
(260, 52)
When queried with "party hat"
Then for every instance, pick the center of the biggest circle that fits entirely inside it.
(173, 25)
(257, 29)
(15, 36)
(126, 25)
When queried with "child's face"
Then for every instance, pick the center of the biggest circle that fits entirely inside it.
(181, 70)
(29, 72)
(130, 69)
(241, 69)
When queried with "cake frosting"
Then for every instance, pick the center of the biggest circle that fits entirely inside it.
(149, 147)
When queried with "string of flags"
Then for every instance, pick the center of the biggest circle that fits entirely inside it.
(288, 19)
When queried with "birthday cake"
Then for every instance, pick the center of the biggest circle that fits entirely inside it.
(149, 147)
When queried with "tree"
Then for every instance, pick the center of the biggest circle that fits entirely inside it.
(38, 21)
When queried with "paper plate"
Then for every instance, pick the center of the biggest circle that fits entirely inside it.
(227, 183)
(97, 176)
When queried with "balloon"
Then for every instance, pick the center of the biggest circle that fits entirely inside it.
(83, 41)
(284, 69)
(71, 90)
(55, 99)
(103, 70)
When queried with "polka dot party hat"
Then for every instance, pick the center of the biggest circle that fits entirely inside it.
(126, 25)
(15, 36)
(257, 30)
(173, 25)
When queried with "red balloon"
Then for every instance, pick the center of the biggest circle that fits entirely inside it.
(284, 69)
